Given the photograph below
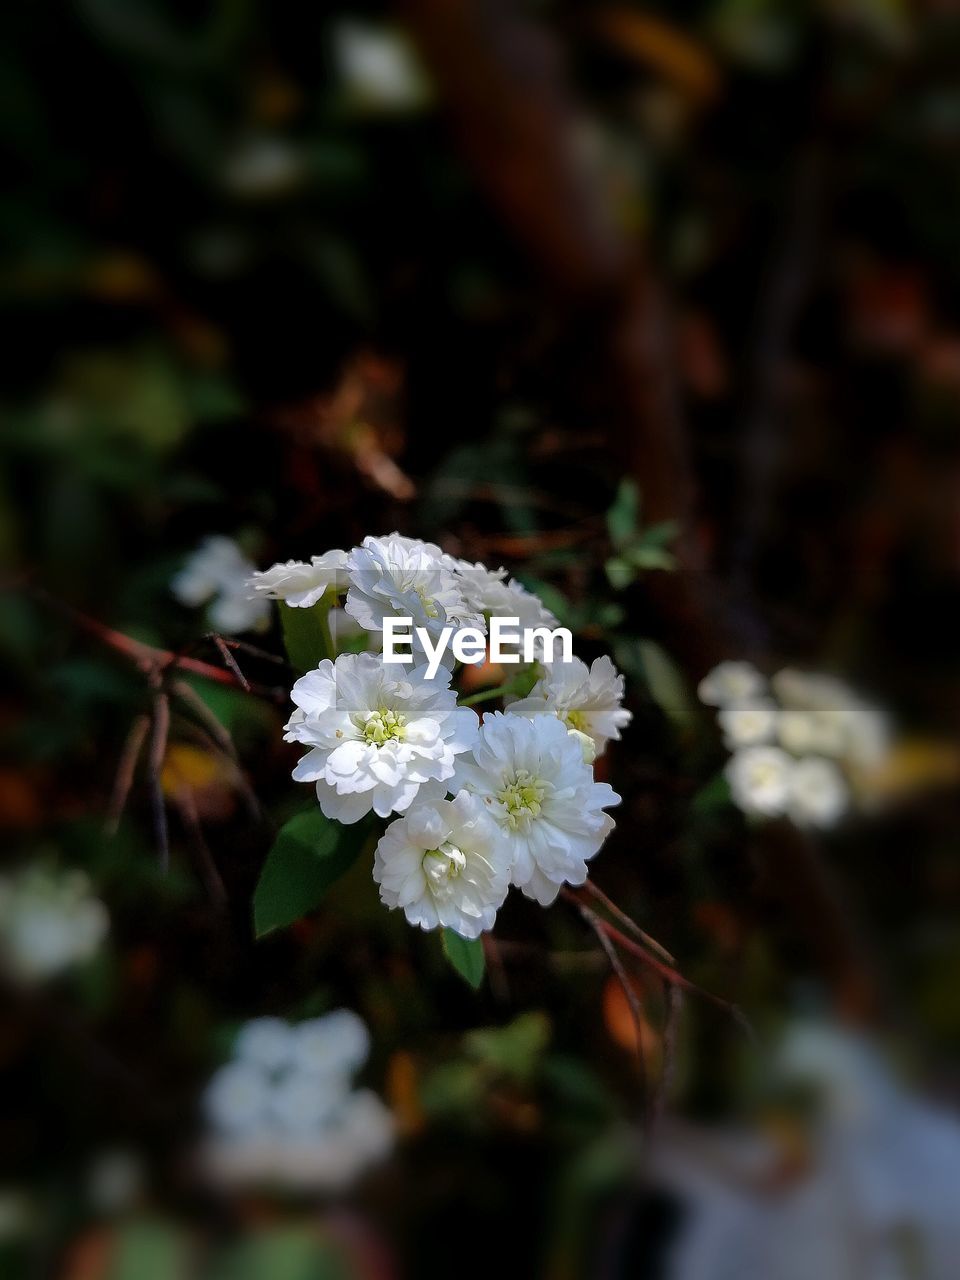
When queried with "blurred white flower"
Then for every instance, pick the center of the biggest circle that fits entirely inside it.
(302, 585)
(376, 738)
(402, 577)
(49, 922)
(531, 776)
(336, 1044)
(217, 575)
(265, 1042)
(748, 724)
(588, 700)
(810, 690)
(446, 865)
(759, 779)
(874, 1197)
(237, 1098)
(305, 1101)
(818, 793)
(299, 1126)
(378, 66)
(730, 683)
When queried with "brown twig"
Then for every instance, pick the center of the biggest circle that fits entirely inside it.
(208, 868)
(220, 737)
(633, 1000)
(596, 892)
(669, 975)
(126, 768)
(147, 657)
(158, 751)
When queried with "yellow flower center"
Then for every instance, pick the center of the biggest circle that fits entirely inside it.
(522, 798)
(429, 608)
(577, 720)
(384, 725)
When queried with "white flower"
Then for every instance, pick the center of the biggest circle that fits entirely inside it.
(378, 66)
(299, 584)
(818, 793)
(336, 1044)
(296, 1123)
(749, 723)
(490, 593)
(731, 683)
(867, 733)
(810, 690)
(759, 779)
(237, 1099)
(49, 922)
(823, 732)
(376, 738)
(303, 1101)
(217, 574)
(587, 699)
(445, 864)
(532, 778)
(265, 1042)
(404, 578)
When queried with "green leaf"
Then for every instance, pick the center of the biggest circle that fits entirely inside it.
(309, 854)
(514, 1050)
(714, 795)
(305, 635)
(620, 572)
(667, 685)
(466, 957)
(622, 516)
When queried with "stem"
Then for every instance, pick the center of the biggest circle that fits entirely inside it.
(669, 975)
(485, 695)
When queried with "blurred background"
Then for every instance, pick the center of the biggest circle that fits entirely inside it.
(657, 305)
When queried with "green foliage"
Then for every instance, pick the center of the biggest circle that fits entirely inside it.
(309, 854)
(637, 549)
(516, 1050)
(149, 1249)
(465, 956)
(281, 1253)
(646, 660)
(306, 635)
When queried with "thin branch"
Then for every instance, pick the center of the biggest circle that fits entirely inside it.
(126, 768)
(633, 1000)
(674, 1001)
(208, 868)
(230, 660)
(220, 737)
(146, 657)
(667, 973)
(596, 892)
(158, 751)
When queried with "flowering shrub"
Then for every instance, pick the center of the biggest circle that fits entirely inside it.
(798, 743)
(472, 805)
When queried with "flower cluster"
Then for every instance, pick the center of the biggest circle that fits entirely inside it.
(284, 1112)
(217, 575)
(796, 741)
(49, 922)
(477, 804)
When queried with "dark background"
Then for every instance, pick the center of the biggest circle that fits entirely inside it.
(709, 248)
